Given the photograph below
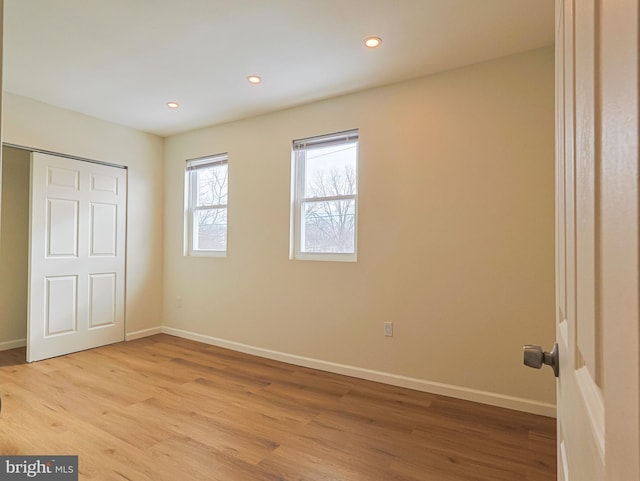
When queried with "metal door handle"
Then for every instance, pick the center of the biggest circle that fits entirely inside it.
(535, 357)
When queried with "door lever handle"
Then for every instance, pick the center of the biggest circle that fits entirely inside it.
(535, 357)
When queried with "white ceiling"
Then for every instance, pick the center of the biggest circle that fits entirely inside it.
(122, 60)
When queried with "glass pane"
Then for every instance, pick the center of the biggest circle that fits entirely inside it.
(210, 229)
(212, 185)
(328, 226)
(331, 171)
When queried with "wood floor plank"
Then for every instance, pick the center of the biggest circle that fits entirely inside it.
(164, 408)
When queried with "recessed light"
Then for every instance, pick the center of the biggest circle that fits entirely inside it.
(173, 105)
(372, 42)
(254, 79)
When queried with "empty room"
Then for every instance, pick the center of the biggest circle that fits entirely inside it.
(319, 240)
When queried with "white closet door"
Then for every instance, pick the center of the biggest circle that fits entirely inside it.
(77, 256)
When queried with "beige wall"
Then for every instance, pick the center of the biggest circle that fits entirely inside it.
(455, 231)
(29, 123)
(14, 245)
(1, 82)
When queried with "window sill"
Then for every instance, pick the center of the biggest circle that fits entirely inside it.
(222, 254)
(325, 257)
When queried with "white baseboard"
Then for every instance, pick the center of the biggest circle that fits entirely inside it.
(132, 336)
(485, 397)
(5, 346)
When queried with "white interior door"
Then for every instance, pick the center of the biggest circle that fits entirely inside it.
(77, 256)
(597, 240)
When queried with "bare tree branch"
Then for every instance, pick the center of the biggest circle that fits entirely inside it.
(212, 223)
(330, 225)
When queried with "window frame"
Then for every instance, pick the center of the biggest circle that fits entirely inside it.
(191, 203)
(298, 200)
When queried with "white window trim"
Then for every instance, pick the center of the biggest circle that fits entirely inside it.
(191, 207)
(298, 164)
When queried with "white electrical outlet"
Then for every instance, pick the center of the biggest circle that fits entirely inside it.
(179, 302)
(388, 329)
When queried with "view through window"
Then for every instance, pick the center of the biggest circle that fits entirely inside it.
(325, 196)
(208, 196)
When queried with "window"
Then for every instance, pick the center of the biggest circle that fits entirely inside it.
(207, 196)
(325, 197)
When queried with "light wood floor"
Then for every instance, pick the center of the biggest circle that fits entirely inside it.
(164, 408)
